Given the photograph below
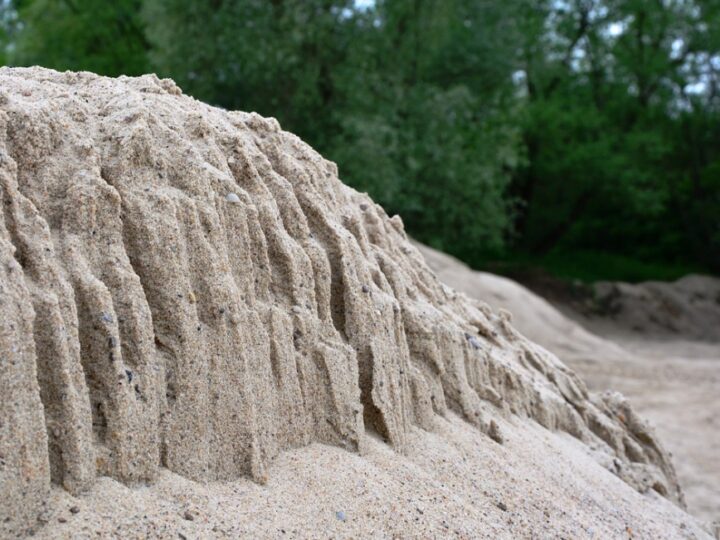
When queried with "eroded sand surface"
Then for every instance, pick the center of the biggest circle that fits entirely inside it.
(204, 330)
(676, 385)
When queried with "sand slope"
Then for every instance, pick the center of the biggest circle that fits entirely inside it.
(688, 308)
(192, 292)
(451, 484)
(534, 316)
(654, 349)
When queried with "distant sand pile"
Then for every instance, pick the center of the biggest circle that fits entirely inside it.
(688, 307)
(534, 316)
(187, 288)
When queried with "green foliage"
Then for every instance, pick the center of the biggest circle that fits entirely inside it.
(524, 130)
(275, 57)
(103, 37)
(590, 266)
(621, 127)
(428, 120)
(406, 96)
(8, 28)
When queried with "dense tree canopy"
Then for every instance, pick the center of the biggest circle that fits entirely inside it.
(523, 128)
(622, 128)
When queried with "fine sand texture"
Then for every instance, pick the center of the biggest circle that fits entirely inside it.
(198, 316)
(657, 343)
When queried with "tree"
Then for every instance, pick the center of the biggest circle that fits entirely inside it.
(274, 57)
(609, 86)
(429, 103)
(103, 37)
(412, 98)
(537, 127)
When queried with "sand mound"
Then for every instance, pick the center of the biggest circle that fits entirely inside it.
(193, 289)
(688, 307)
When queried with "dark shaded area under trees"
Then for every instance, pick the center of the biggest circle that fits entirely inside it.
(582, 136)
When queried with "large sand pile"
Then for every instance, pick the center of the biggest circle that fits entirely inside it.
(188, 292)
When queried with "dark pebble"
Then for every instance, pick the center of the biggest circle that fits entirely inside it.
(74, 509)
(474, 342)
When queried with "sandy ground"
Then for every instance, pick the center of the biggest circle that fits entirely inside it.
(672, 381)
(452, 484)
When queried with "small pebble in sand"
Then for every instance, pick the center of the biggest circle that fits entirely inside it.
(365, 289)
(74, 509)
(232, 197)
(106, 317)
(340, 515)
(474, 342)
(189, 515)
(494, 432)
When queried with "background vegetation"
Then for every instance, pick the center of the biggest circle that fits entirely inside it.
(582, 136)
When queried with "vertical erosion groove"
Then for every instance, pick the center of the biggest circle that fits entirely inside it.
(24, 461)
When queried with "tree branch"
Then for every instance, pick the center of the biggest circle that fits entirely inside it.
(581, 31)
